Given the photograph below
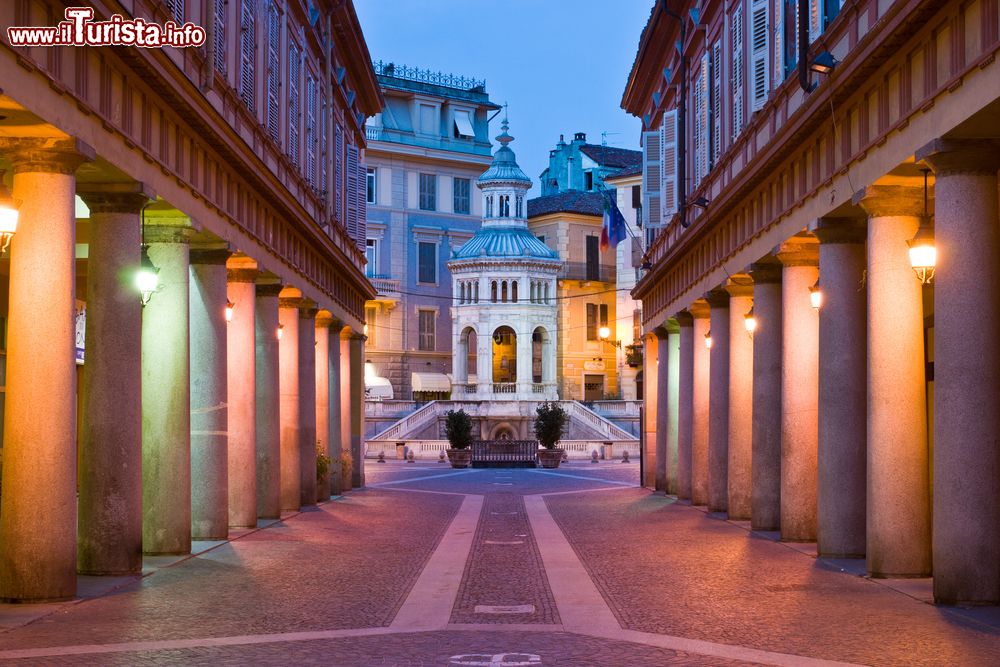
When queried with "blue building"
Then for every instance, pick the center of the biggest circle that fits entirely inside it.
(578, 165)
(425, 151)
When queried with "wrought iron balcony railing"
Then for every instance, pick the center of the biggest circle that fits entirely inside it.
(587, 271)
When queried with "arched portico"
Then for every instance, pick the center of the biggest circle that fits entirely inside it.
(504, 360)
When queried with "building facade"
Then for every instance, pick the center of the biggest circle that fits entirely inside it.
(823, 275)
(426, 149)
(194, 400)
(577, 165)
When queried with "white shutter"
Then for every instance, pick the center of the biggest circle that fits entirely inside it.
(351, 191)
(324, 149)
(338, 174)
(701, 147)
(247, 27)
(220, 36)
(716, 103)
(311, 130)
(668, 126)
(651, 178)
(362, 196)
(778, 42)
(758, 54)
(273, 72)
(815, 20)
(738, 69)
(293, 103)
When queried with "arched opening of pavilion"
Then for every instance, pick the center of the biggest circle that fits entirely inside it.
(504, 360)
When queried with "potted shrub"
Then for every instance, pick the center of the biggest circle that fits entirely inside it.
(550, 421)
(458, 430)
(322, 473)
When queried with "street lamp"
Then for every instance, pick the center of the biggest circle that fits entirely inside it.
(815, 295)
(923, 252)
(604, 333)
(146, 278)
(8, 215)
(750, 321)
(230, 306)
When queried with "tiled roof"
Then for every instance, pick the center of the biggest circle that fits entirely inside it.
(609, 156)
(569, 201)
(634, 170)
(505, 242)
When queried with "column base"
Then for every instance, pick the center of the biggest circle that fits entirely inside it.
(886, 575)
(839, 555)
(36, 600)
(109, 573)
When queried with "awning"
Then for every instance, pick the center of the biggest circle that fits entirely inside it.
(463, 123)
(377, 387)
(430, 382)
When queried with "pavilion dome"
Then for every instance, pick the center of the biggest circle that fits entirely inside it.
(505, 242)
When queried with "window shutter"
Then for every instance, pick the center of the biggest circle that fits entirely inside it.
(716, 103)
(591, 321)
(293, 104)
(362, 195)
(324, 150)
(652, 175)
(176, 8)
(701, 146)
(338, 174)
(352, 191)
(311, 130)
(668, 127)
(778, 58)
(758, 54)
(815, 20)
(273, 71)
(247, 26)
(220, 36)
(738, 74)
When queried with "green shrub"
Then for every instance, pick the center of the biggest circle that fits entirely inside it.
(458, 429)
(550, 421)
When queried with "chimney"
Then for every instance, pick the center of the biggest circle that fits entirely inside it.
(580, 136)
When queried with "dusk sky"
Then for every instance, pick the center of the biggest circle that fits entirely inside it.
(561, 65)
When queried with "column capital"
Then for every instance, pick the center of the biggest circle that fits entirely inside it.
(357, 337)
(841, 230)
(961, 156)
(307, 309)
(269, 289)
(214, 256)
(684, 318)
(115, 197)
(717, 298)
(699, 309)
(327, 321)
(242, 275)
(167, 233)
(739, 285)
(661, 332)
(765, 272)
(289, 302)
(49, 155)
(883, 201)
(798, 251)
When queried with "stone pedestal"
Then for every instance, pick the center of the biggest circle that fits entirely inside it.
(765, 496)
(209, 396)
(268, 424)
(700, 413)
(166, 397)
(38, 522)
(242, 371)
(110, 496)
(898, 533)
(718, 402)
(288, 365)
(685, 403)
(307, 404)
(843, 403)
(740, 399)
(966, 372)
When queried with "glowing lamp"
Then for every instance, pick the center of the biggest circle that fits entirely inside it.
(604, 332)
(146, 278)
(750, 322)
(815, 296)
(230, 306)
(708, 339)
(923, 252)
(281, 327)
(8, 215)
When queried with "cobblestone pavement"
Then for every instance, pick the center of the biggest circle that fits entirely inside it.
(615, 576)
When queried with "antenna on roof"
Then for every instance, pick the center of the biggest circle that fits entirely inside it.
(605, 135)
(503, 108)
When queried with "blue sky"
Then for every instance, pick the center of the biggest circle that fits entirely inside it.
(561, 65)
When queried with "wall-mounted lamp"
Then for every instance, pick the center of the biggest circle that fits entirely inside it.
(750, 321)
(700, 202)
(708, 339)
(230, 306)
(8, 215)
(147, 278)
(364, 329)
(923, 252)
(816, 295)
(604, 333)
(823, 63)
(281, 328)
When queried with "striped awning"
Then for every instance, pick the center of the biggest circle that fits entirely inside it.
(430, 382)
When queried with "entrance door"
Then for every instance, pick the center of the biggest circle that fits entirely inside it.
(593, 387)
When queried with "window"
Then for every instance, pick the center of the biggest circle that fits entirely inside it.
(428, 192)
(247, 52)
(591, 321)
(176, 8)
(273, 70)
(463, 125)
(293, 103)
(593, 258)
(370, 314)
(426, 330)
(461, 195)
(426, 262)
(541, 237)
(520, 206)
(220, 35)
(588, 180)
(513, 292)
(371, 254)
(311, 136)
(493, 291)
(372, 184)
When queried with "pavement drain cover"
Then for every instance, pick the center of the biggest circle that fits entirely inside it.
(504, 609)
(502, 542)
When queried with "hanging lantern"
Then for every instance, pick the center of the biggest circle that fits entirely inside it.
(8, 215)
(750, 321)
(923, 252)
(708, 339)
(230, 306)
(815, 296)
(281, 327)
(146, 278)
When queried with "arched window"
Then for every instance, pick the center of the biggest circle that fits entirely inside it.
(513, 291)
(520, 201)
(531, 291)
(546, 299)
(465, 292)
(493, 292)
(503, 291)
(475, 291)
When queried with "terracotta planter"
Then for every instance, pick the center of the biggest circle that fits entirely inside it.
(550, 458)
(460, 458)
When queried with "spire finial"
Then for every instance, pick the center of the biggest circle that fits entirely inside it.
(504, 137)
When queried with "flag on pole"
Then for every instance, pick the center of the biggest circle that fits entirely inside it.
(613, 231)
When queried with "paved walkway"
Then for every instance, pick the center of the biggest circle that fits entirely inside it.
(430, 566)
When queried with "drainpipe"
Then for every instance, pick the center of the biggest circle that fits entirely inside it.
(681, 121)
(802, 8)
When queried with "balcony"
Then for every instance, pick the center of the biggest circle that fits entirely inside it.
(604, 273)
(374, 133)
(387, 288)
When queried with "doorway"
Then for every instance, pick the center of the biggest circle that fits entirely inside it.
(593, 388)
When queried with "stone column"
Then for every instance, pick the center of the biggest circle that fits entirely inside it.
(685, 403)
(209, 396)
(898, 531)
(718, 402)
(110, 497)
(307, 404)
(38, 522)
(843, 403)
(740, 399)
(323, 321)
(700, 412)
(765, 464)
(166, 397)
(242, 372)
(966, 372)
(288, 365)
(673, 405)
(662, 368)
(799, 391)
(267, 383)
(335, 428)
(357, 415)
(345, 401)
